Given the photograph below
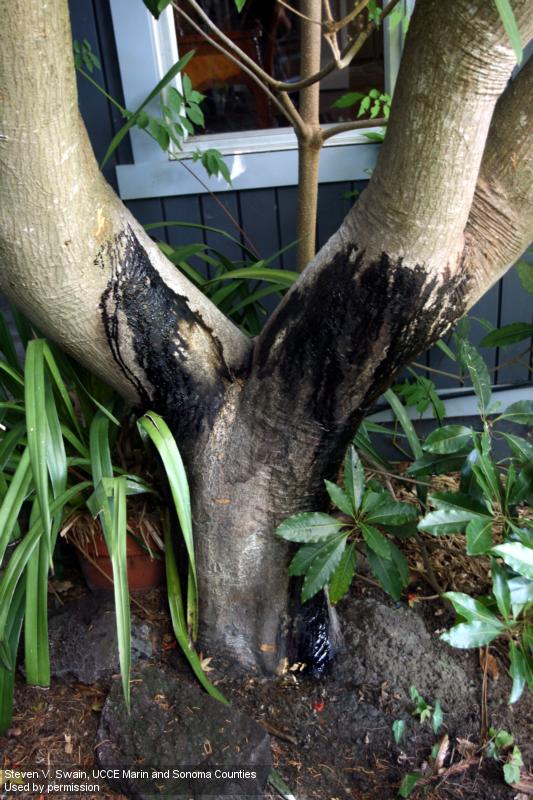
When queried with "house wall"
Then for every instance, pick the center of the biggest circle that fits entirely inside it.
(267, 215)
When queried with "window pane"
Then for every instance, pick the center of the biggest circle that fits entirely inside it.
(269, 33)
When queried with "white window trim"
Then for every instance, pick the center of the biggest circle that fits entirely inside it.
(147, 48)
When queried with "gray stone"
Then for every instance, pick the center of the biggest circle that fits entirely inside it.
(391, 644)
(83, 640)
(175, 726)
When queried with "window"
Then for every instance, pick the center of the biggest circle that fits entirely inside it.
(259, 150)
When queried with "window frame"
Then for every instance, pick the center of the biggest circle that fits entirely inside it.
(147, 48)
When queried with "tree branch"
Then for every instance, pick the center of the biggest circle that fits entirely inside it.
(74, 259)
(347, 56)
(500, 225)
(456, 63)
(353, 125)
(392, 279)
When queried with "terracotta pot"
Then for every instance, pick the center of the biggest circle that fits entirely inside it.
(144, 572)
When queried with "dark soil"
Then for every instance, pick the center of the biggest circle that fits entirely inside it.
(331, 737)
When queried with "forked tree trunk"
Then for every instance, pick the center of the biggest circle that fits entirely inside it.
(261, 424)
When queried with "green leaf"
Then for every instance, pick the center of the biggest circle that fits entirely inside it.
(239, 5)
(13, 500)
(435, 464)
(517, 672)
(11, 644)
(283, 277)
(471, 634)
(508, 334)
(405, 422)
(511, 28)
(347, 100)
(376, 540)
(155, 7)
(502, 739)
(388, 512)
(354, 477)
(119, 136)
(500, 589)
(479, 374)
(517, 556)
(525, 274)
(445, 520)
(448, 439)
(342, 577)
(323, 566)
(520, 412)
(159, 132)
(472, 610)
(119, 566)
(301, 561)
(511, 770)
(520, 447)
(386, 573)
(409, 782)
(460, 501)
(309, 527)
(521, 590)
(478, 536)
(179, 624)
(339, 498)
(195, 114)
(398, 730)
(36, 425)
(437, 719)
(488, 477)
(154, 426)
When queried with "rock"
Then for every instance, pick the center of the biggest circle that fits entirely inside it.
(83, 640)
(385, 643)
(175, 726)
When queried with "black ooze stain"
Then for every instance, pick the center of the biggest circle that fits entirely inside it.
(139, 305)
(351, 302)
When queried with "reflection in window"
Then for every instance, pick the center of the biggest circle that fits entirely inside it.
(269, 33)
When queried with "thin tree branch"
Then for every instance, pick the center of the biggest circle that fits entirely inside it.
(298, 13)
(354, 125)
(500, 224)
(347, 55)
(252, 65)
(331, 37)
(244, 62)
(234, 53)
(349, 52)
(340, 24)
(224, 209)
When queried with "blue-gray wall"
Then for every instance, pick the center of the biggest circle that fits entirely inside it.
(267, 215)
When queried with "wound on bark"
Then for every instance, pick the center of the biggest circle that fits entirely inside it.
(140, 309)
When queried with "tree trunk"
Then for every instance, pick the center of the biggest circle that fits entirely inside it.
(262, 423)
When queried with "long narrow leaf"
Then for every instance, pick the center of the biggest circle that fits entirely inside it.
(12, 503)
(60, 384)
(120, 583)
(7, 676)
(511, 28)
(36, 652)
(179, 623)
(403, 418)
(36, 425)
(19, 559)
(167, 77)
(204, 228)
(280, 276)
